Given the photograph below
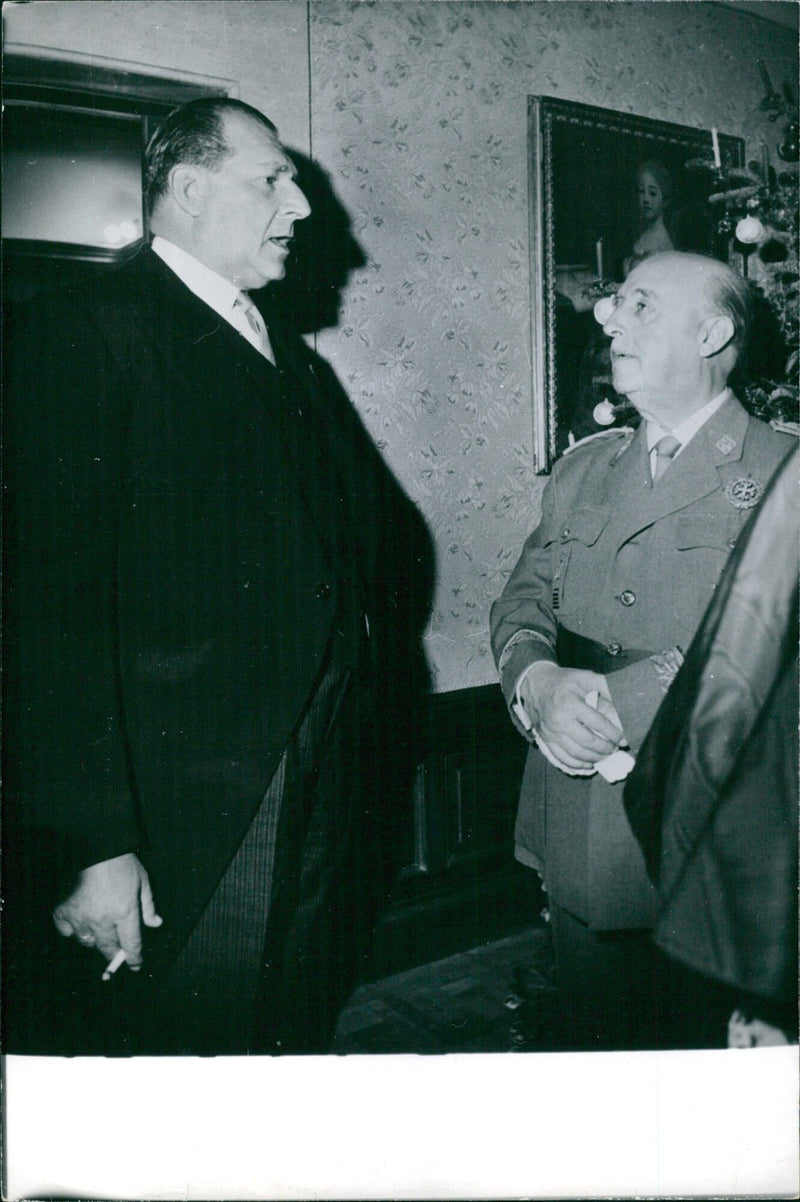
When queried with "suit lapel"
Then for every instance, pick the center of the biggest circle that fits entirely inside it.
(693, 475)
(196, 324)
(288, 395)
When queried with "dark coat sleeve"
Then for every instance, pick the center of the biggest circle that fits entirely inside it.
(66, 777)
(713, 797)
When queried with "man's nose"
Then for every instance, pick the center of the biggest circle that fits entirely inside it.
(294, 202)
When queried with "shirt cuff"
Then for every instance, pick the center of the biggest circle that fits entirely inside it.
(518, 705)
(522, 636)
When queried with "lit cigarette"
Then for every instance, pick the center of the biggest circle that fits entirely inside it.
(114, 964)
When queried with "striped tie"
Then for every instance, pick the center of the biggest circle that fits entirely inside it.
(256, 324)
(666, 449)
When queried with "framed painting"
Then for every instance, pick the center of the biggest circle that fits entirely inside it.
(606, 190)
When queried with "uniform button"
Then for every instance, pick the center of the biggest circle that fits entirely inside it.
(566, 532)
(628, 597)
(614, 648)
(322, 592)
(731, 543)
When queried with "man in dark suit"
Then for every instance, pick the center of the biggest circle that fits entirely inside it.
(199, 589)
(635, 530)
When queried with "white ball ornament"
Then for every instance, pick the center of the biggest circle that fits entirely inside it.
(603, 309)
(750, 230)
(604, 413)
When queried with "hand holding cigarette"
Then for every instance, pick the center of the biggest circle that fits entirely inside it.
(106, 911)
(114, 964)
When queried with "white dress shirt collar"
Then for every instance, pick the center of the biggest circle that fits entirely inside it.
(686, 431)
(217, 292)
(220, 294)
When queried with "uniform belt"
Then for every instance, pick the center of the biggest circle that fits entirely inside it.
(576, 651)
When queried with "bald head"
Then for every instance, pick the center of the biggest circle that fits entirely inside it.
(715, 287)
(677, 326)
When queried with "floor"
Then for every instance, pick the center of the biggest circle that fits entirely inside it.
(495, 998)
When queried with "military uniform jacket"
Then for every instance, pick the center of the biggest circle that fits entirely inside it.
(632, 566)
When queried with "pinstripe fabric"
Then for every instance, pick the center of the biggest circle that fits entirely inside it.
(321, 905)
(210, 996)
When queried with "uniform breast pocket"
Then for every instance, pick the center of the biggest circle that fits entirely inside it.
(573, 548)
(702, 546)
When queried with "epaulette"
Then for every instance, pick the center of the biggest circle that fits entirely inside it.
(786, 427)
(617, 431)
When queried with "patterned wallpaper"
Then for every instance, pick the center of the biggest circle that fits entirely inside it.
(417, 111)
(419, 116)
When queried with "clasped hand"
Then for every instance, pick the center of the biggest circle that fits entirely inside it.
(107, 907)
(555, 700)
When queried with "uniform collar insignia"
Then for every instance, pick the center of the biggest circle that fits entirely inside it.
(725, 445)
(626, 442)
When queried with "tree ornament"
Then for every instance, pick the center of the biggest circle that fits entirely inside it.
(749, 231)
(604, 413)
(602, 311)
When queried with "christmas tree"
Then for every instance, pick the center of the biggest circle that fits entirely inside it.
(757, 224)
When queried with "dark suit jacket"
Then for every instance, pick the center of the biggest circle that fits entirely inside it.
(713, 796)
(187, 530)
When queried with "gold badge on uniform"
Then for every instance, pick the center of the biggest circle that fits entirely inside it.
(725, 444)
(745, 492)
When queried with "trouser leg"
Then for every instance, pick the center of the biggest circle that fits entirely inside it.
(607, 984)
(320, 919)
(206, 1005)
(619, 992)
(277, 892)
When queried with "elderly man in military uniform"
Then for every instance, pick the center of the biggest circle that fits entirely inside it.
(636, 528)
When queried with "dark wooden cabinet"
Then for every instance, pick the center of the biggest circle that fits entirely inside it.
(459, 885)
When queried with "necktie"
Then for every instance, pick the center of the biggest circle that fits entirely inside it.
(260, 338)
(666, 449)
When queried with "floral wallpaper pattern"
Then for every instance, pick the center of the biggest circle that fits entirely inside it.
(418, 113)
(417, 110)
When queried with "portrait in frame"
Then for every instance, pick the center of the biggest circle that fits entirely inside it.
(606, 189)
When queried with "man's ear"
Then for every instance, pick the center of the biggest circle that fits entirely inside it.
(715, 334)
(186, 188)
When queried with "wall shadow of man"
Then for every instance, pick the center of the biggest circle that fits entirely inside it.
(325, 253)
